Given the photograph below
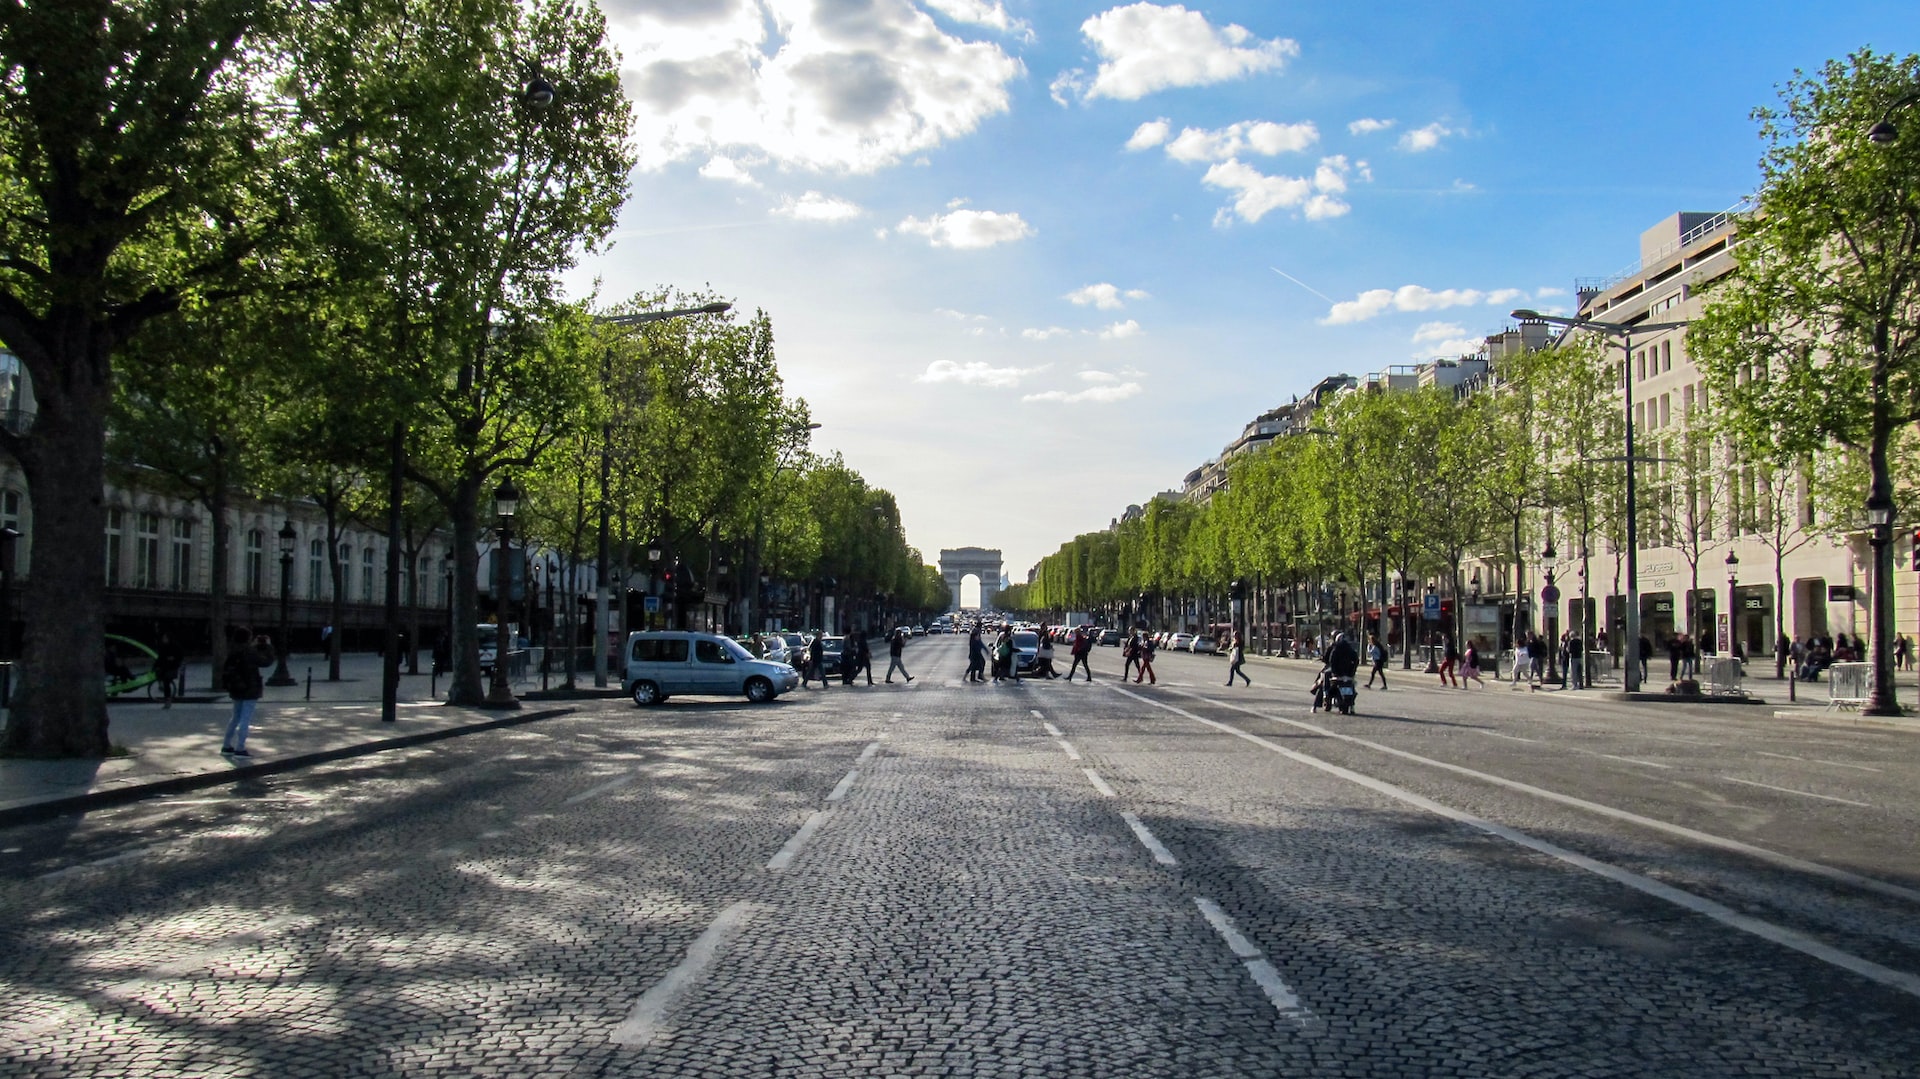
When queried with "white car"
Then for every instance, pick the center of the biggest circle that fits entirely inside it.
(1203, 645)
(1178, 642)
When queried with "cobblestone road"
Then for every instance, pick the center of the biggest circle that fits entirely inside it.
(1032, 880)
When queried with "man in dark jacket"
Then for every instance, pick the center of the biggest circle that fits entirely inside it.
(241, 679)
(895, 645)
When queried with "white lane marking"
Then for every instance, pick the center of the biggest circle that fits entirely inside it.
(1072, 753)
(1800, 942)
(1285, 1000)
(1803, 794)
(1223, 925)
(1509, 737)
(1630, 760)
(867, 753)
(1785, 861)
(1813, 760)
(1035, 713)
(846, 784)
(648, 1016)
(1160, 853)
(787, 853)
(595, 792)
(1053, 730)
(1099, 784)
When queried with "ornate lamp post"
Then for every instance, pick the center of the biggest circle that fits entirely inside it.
(1733, 606)
(281, 676)
(1550, 613)
(1880, 699)
(506, 502)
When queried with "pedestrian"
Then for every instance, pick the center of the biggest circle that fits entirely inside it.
(1469, 667)
(816, 663)
(1782, 652)
(1576, 661)
(1146, 663)
(865, 652)
(1131, 650)
(1237, 659)
(1450, 654)
(1646, 656)
(1377, 653)
(1080, 648)
(895, 644)
(1674, 650)
(1689, 656)
(976, 656)
(240, 677)
(1537, 658)
(1043, 661)
(167, 662)
(1004, 665)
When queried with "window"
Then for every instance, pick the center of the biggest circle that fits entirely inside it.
(180, 556)
(345, 554)
(1686, 401)
(256, 562)
(710, 652)
(316, 567)
(658, 650)
(366, 575)
(116, 533)
(1666, 355)
(146, 551)
(1666, 409)
(1642, 356)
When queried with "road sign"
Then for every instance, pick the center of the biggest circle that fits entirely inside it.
(1550, 594)
(1430, 608)
(650, 603)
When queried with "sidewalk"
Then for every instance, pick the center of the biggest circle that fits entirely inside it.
(178, 749)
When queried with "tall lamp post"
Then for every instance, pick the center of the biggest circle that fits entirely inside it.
(281, 676)
(1733, 606)
(506, 502)
(1624, 333)
(653, 577)
(1550, 610)
(1880, 699)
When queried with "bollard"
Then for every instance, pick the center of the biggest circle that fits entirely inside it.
(309, 683)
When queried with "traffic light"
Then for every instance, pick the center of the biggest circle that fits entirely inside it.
(1916, 548)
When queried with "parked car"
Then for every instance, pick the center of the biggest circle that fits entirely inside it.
(1178, 642)
(663, 664)
(788, 648)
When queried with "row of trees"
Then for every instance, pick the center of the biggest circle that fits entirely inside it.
(315, 250)
(1811, 356)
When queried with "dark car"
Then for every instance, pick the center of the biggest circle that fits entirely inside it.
(1112, 637)
(831, 650)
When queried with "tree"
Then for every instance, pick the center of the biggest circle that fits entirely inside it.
(139, 168)
(1814, 339)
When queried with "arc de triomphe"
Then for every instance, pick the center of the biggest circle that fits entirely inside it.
(979, 561)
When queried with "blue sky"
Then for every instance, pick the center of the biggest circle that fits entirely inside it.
(1020, 256)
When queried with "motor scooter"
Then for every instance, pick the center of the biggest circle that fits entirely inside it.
(1335, 692)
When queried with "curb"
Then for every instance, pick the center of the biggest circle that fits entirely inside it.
(134, 792)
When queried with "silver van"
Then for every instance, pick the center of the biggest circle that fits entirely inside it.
(662, 664)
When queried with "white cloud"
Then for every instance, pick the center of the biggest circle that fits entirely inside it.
(813, 206)
(976, 373)
(1104, 296)
(804, 85)
(1098, 376)
(1543, 293)
(966, 229)
(981, 13)
(1257, 194)
(1119, 330)
(1150, 134)
(1422, 139)
(1260, 137)
(1375, 302)
(719, 167)
(1367, 126)
(1094, 394)
(1434, 331)
(1448, 349)
(1048, 334)
(1146, 47)
(959, 316)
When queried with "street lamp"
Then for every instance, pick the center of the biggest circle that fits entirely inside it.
(1884, 133)
(1880, 699)
(1433, 660)
(506, 502)
(653, 577)
(1625, 333)
(281, 676)
(1550, 610)
(1733, 606)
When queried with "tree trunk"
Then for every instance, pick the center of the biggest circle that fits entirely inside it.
(217, 578)
(336, 572)
(60, 708)
(466, 687)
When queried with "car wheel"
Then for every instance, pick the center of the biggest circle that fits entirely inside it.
(646, 693)
(759, 690)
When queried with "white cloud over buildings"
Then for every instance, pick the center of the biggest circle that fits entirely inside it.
(1144, 48)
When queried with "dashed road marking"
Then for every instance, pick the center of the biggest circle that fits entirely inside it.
(595, 792)
(785, 858)
(1630, 760)
(867, 753)
(648, 1017)
(1803, 794)
(1035, 713)
(846, 784)
(1816, 760)
(1508, 737)
(1072, 753)
(1158, 849)
(1897, 979)
(1053, 731)
(1285, 1000)
(1099, 784)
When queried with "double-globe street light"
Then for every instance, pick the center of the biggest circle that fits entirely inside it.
(506, 503)
(281, 675)
(1624, 332)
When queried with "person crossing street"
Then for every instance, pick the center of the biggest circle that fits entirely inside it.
(1082, 644)
(895, 644)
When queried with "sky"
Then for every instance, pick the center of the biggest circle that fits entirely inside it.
(1032, 261)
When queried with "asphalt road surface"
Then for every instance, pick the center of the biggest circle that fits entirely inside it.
(1038, 879)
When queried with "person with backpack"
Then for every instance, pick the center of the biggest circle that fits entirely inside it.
(1081, 644)
(1237, 659)
(240, 677)
(1130, 650)
(1377, 655)
(1144, 653)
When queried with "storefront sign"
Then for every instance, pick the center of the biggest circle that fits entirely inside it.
(1840, 593)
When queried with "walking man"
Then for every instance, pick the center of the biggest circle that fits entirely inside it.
(895, 644)
(1236, 659)
(241, 679)
(976, 656)
(1082, 644)
(816, 663)
(1450, 658)
(1131, 650)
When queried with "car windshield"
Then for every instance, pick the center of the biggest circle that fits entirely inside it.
(1024, 639)
(831, 644)
(735, 647)
(794, 640)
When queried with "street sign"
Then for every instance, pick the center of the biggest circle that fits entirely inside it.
(1430, 608)
(1840, 593)
(650, 603)
(1550, 594)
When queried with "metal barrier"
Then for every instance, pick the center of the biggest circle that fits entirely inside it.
(517, 665)
(1720, 676)
(1847, 684)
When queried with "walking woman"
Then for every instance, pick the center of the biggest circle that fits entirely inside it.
(1377, 654)
(1450, 658)
(1145, 654)
(1236, 659)
(1470, 667)
(1131, 650)
(976, 656)
(1003, 667)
